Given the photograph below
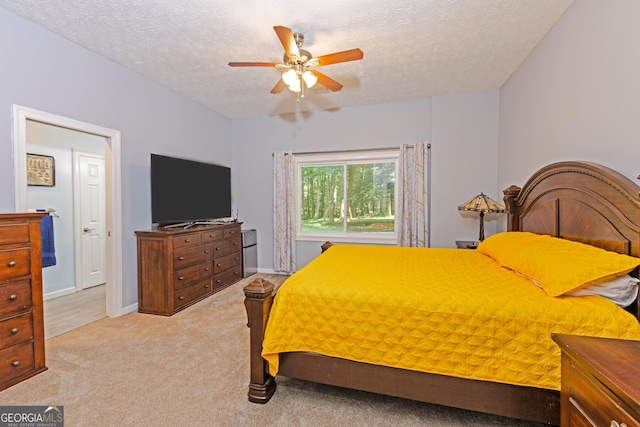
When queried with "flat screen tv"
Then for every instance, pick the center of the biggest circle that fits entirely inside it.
(184, 191)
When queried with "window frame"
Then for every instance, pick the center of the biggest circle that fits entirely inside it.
(345, 158)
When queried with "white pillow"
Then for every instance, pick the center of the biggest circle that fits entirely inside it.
(621, 290)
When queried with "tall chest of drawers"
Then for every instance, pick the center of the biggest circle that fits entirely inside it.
(21, 312)
(177, 268)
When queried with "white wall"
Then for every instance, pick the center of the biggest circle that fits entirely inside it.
(464, 133)
(577, 96)
(462, 129)
(48, 73)
(58, 142)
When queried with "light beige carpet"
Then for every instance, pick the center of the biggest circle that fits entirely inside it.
(192, 369)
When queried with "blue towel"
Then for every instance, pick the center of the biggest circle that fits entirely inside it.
(48, 243)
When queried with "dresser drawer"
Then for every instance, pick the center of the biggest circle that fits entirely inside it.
(14, 233)
(186, 257)
(15, 362)
(15, 330)
(226, 278)
(187, 276)
(211, 235)
(193, 292)
(226, 262)
(592, 404)
(15, 296)
(15, 263)
(231, 233)
(226, 247)
(184, 240)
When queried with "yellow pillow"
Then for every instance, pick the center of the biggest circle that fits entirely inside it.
(558, 265)
(500, 245)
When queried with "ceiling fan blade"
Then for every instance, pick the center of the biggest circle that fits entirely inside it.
(252, 64)
(344, 56)
(279, 87)
(327, 82)
(288, 41)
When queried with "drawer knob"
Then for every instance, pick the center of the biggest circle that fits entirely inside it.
(206, 251)
(14, 331)
(217, 249)
(16, 363)
(218, 281)
(236, 272)
(237, 259)
(231, 232)
(180, 298)
(206, 286)
(181, 278)
(614, 423)
(13, 297)
(181, 258)
(219, 265)
(187, 240)
(12, 263)
(206, 269)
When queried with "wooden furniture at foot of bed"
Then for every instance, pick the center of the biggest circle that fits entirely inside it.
(579, 201)
(599, 381)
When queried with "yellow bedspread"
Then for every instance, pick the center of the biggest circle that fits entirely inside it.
(445, 311)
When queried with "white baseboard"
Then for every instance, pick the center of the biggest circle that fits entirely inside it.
(60, 293)
(126, 310)
(270, 271)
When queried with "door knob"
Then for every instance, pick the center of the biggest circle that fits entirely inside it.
(86, 229)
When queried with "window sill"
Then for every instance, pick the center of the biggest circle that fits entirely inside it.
(333, 238)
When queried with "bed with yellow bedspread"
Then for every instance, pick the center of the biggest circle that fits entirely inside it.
(443, 311)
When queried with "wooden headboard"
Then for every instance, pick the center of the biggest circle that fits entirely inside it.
(580, 201)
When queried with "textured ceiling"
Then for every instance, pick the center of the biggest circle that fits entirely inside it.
(412, 49)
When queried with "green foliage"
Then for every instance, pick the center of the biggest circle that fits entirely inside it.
(368, 205)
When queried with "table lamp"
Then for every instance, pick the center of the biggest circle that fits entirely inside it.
(482, 203)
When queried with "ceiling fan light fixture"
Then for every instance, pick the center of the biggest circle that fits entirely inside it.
(295, 86)
(309, 78)
(299, 62)
(290, 77)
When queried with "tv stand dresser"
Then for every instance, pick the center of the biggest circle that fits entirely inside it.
(179, 267)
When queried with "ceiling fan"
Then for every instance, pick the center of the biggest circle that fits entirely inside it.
(301, 64)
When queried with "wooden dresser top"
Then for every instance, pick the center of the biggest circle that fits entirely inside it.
(615, 362)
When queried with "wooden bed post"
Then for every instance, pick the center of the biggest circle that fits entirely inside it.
(258, 299)
(510, 195)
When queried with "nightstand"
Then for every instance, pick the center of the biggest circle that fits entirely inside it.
(600, 381)
(466, 244)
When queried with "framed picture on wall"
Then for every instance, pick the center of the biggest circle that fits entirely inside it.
(41, 170)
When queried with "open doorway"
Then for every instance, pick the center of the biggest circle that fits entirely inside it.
(74, 281)
(113, 216)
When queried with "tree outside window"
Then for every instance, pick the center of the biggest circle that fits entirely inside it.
(351, 198)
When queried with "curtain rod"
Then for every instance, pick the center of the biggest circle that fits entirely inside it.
(351, 151)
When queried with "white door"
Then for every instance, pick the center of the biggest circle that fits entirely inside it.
(89, 202)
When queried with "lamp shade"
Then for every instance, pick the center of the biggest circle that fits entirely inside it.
(295, 86)
(482, 203)
(309, 78)
(289, 77)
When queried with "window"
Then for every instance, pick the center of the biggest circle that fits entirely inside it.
(347, 198)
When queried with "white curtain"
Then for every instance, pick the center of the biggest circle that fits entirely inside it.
(284, 213)
(413, 203)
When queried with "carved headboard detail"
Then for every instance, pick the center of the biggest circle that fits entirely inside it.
(580, 201)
